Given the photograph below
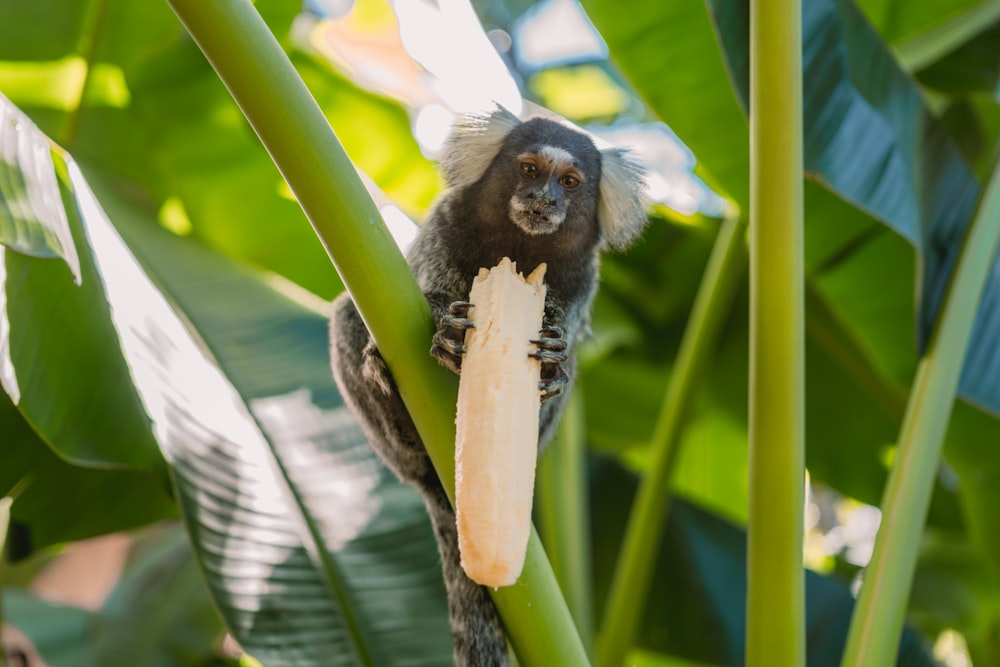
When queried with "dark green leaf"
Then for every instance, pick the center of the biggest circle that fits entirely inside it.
(60, 633)
(974, 67)
(59, 502)
(158, 614)
(868, 137)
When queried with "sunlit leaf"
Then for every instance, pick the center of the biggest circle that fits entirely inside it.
(57, 333)
(312, 552)
(310, 549)
(32, 219)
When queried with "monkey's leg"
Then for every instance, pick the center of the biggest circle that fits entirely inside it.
(369, 390)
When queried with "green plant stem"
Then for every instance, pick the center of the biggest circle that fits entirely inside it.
(293, 129)
(563, 501)
(775, 577)
(873, 639)
(630, 583)
(5, 504)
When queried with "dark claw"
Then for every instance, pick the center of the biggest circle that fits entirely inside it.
(460, 323)
(549, 356)
(459, 309)
(550, 350)
(554, 384)
(552, 353)
(448, 344)
(551, 332)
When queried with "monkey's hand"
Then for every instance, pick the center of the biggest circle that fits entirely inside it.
(552, 353)
(448, 344)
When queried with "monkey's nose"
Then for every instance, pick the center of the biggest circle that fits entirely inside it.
(542, 197)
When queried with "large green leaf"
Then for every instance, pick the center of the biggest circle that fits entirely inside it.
(870, 138)
(312, 552)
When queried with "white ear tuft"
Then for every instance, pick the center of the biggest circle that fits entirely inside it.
(473, 143)
(621, 209)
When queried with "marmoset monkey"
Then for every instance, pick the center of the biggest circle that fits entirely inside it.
(534, 191)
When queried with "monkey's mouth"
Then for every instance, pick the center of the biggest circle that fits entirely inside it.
(535, 220)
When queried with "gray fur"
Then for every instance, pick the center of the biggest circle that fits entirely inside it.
(622, 208)
(471, 227)
(473, 142)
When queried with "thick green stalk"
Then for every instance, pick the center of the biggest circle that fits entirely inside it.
(775, 578)
(877, 623)
(630, 584)
(293, 129)
(5, 504)
(563, 501)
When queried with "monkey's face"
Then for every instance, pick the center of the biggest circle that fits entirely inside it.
(548, 178)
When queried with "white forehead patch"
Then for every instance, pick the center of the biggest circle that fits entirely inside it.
(556, 155)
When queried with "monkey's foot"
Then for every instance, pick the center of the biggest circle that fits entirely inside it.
(448, 344)
(552, 353)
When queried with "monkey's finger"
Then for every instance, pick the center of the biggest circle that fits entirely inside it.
(551, 332)
(549, 356)
(555, 344)
(452, 362)
(443, 342)
(454, 322)
(459, 309)
(554, 387)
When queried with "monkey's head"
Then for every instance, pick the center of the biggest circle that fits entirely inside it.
(547, 178)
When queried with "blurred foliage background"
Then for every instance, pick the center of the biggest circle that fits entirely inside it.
(174, 362)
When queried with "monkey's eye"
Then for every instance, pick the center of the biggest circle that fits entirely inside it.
(569, 182)
(529, 169)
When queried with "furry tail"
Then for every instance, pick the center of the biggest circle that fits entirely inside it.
(475, 625)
